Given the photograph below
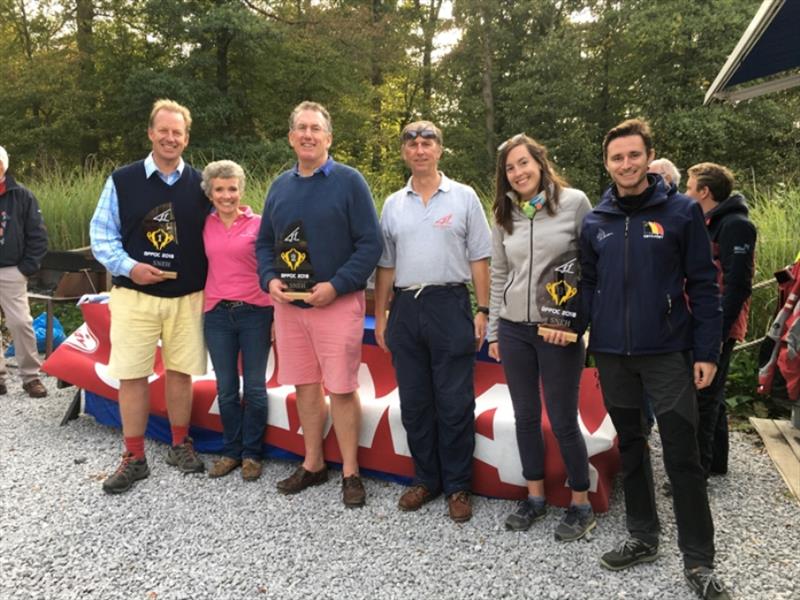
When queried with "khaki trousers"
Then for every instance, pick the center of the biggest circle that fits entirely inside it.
(17, 312)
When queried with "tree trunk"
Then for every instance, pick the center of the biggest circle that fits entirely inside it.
(84, 16)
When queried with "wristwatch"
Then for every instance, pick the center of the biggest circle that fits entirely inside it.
(483, 309)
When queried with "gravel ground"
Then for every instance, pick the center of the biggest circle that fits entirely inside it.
(177, 536)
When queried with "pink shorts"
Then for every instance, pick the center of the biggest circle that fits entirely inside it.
(321, 344)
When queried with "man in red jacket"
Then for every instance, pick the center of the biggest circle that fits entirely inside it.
(733, 243)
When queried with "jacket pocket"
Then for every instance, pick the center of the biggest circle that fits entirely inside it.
(508, 287)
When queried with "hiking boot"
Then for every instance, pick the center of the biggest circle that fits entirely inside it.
(705, 584)
(127, 472)
(353, 493)
(459, 505)
(223, 466)
(631, 551)
(35, 388)
(185, 458)
(575, 524)
(525, 515)
(301, 479)
(414, 497)
(251, 469)
(3, 388)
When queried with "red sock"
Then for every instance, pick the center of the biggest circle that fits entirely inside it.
(135, 445)
(179, 433)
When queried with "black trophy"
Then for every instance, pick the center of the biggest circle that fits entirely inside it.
(293, 262)
(162, 233)
(557, 295)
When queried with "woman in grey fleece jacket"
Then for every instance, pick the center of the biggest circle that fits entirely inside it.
(535, 235)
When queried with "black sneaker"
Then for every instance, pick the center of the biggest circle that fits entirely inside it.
(575, 524)
(185, 458)
(525, 515)
(630, 552)
(129, 470)
(706, 585)
(3, 388)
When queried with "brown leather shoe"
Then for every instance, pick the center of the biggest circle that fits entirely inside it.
(414, 497)
(353, 493)
(301, 479)
(223, 466)
(251, 469)
(459, 505)
(35, 388)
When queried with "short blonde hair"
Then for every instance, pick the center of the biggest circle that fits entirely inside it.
(171, 106)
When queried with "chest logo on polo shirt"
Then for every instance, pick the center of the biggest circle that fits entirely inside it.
(444, 223)
(653, 230)
(159, 226)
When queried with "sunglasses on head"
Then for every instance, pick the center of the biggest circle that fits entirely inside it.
(510, 140)
(425, 134)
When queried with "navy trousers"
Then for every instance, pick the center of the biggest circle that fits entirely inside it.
(432, 339)
(712, 434)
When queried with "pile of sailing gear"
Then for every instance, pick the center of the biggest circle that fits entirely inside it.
(779, 355)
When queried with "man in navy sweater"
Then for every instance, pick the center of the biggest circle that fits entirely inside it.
(327, 206)
(648, 285)
(147, 230)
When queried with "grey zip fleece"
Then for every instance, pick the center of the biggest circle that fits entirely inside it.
(520, 259)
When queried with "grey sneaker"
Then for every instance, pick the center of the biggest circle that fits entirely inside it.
(631, 551)
(185, 458)
(706, 585)
(525, 515)
(127, 473)
(575, 524)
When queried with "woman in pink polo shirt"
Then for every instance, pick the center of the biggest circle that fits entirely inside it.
(238, 319)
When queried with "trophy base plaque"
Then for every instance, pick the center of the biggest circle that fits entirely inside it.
(295, 295)
(169, 274)
(570, 336)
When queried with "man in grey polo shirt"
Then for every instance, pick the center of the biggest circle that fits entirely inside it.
(436, 239)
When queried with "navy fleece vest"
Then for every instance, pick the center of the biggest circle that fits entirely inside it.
(162, 225)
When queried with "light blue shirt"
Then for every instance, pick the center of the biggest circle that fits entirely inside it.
(105, 227)
(434, 244)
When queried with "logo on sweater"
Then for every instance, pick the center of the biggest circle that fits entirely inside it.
(602, 234)
(653, 231)
(444, 223)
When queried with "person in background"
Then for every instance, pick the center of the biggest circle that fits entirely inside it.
(23, 244)
(537, 224)
(238, 320)
(733, 244)
(435, 241)
(667, 169)
(147, 230)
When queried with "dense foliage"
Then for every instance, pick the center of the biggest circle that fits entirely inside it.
(79, 77)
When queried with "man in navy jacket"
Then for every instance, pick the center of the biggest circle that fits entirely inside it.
(649, 289)
(23, 244)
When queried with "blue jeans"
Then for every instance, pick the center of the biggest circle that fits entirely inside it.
(230, 330)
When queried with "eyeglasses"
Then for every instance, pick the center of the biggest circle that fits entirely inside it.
(425, 134)
(511, 140)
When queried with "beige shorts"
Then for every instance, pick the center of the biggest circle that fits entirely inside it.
(139, 320)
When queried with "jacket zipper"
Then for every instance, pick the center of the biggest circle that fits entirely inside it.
(669, 313)
(530, 268)
(625, 288)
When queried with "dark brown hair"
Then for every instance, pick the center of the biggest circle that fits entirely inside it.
(626, 128)
(551, 182)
